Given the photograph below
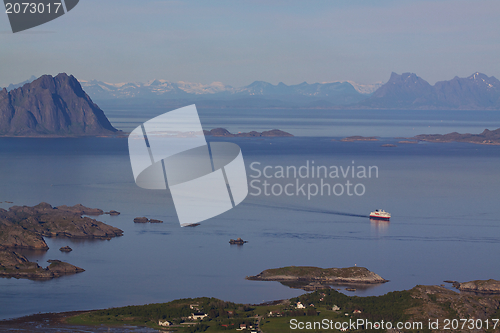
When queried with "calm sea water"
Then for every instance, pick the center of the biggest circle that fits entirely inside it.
(443, 199)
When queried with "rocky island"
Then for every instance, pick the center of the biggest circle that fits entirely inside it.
(312, 278)
(479, 286)
(146, 220)
(13, 264)
(237, 241)
(225, 133)
(487, 137)
(24, 228)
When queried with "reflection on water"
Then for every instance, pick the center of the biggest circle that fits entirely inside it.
(33, 255)
(348, 289)
(379, 227)
(46, 328)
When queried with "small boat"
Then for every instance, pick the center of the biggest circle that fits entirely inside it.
(380, 214)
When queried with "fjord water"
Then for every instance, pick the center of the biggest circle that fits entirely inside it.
(442, 197)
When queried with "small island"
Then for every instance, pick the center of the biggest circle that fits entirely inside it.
(237, 241)
(225, 133)
(23, 227)
(313, 278)
(146, 220)
(65, 249)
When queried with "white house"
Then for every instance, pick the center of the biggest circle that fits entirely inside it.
(198, 315)
(164, 323)
(335, 308)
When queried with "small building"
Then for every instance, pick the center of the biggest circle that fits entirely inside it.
(300, 305)
(356, 311)
(164, 323)
(198, 315)
(335, 308)
(243, 326)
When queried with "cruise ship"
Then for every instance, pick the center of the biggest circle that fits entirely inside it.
(380, 214)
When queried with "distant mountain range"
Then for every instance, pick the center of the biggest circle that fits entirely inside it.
(405, 91)
(408, 91)
(335, 93)
(51, 106)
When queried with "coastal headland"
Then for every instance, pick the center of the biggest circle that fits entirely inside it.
(415, 309)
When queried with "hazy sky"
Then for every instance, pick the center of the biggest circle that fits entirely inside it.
(237, 42)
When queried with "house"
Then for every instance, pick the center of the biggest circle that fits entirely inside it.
(300, 305)
(335, 308)
(343, 329)
(198, 315)
(194, 306)
(164, 323)
(243, 326)
(356, 311)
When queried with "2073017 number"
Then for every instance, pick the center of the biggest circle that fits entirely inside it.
(471, 324)
(32, 8)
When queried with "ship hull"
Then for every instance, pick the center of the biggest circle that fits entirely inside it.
(380, 217)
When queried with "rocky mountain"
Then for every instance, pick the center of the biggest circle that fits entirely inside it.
(335, 93)
(51, 106)
(408, 91)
